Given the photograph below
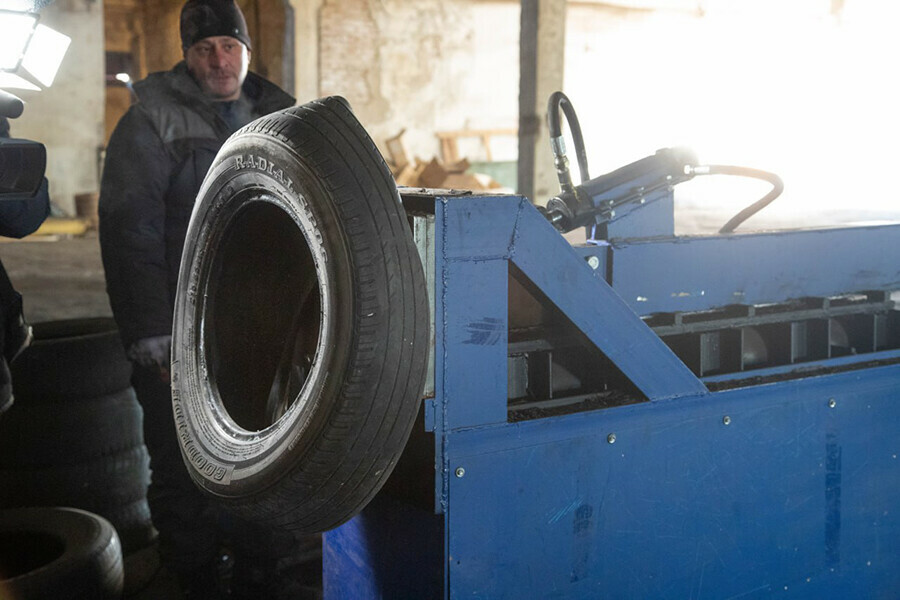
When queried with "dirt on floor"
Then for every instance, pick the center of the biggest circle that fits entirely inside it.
(59, 277)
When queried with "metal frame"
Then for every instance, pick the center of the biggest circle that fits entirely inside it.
(784, 486)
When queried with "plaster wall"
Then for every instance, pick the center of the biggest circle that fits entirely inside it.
(423, 65)
(68, 117)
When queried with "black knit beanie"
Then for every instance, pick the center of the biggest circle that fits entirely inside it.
(207, 18)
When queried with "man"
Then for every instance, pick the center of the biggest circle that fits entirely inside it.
(157, 158)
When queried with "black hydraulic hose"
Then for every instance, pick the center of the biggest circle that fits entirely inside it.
(558, 101)
(736, 220)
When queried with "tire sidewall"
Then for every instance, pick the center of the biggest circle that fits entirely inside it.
(222, 457)
(90, 565)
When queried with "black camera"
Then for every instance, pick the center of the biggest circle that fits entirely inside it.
(22, 162)
(24, 204)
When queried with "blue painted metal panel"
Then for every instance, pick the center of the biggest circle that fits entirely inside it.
(471, 246)
(549, 262)
(792, 498)
(654, 216)
(474, 339)
(698, 273)
(472, 243)
(600, 253)
(476, 227)
(810, 368)
(391, 551)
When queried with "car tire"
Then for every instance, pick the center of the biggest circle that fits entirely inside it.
(98, 485)
(59, 554)
(301, 322)
(71, 358)
(42, 434)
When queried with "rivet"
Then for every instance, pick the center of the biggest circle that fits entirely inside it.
(460, 471)
(832, 403)
(611, 438)
(726, 420)
(594, 262)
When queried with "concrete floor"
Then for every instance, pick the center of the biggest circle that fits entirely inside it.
(58, 277)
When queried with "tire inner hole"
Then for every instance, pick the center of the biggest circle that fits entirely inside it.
(262, 319)
(24, 551)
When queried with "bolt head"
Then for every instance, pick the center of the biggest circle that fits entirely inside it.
(832, 403)
(726, 420)
(611, 438)
(460, 471)
(594, 262)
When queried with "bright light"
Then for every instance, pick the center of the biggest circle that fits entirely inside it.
(123, 77)
(807, 96)
(17, 5)
(32, 54)
(11, 80)
(16, 29)
(45, 53)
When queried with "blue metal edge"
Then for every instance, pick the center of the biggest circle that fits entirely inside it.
(807, 369)
(500, 437)
(753, 268)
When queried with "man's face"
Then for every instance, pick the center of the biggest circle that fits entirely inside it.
(219, 64)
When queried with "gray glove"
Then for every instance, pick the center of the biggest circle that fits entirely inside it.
(151, 351)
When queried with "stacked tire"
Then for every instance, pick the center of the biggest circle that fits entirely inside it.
(58, 554)
(73, 436)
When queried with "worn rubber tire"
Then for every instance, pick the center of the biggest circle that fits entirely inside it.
(72, 358)
(298, 198)
(58, 554)
(44, 434)
(102, 484)
(133, 524)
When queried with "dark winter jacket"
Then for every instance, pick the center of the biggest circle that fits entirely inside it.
(156, 160)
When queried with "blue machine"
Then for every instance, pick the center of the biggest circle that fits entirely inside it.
(642, 417)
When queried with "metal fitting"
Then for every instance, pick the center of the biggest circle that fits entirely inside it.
(558, 146)
(562, 174)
